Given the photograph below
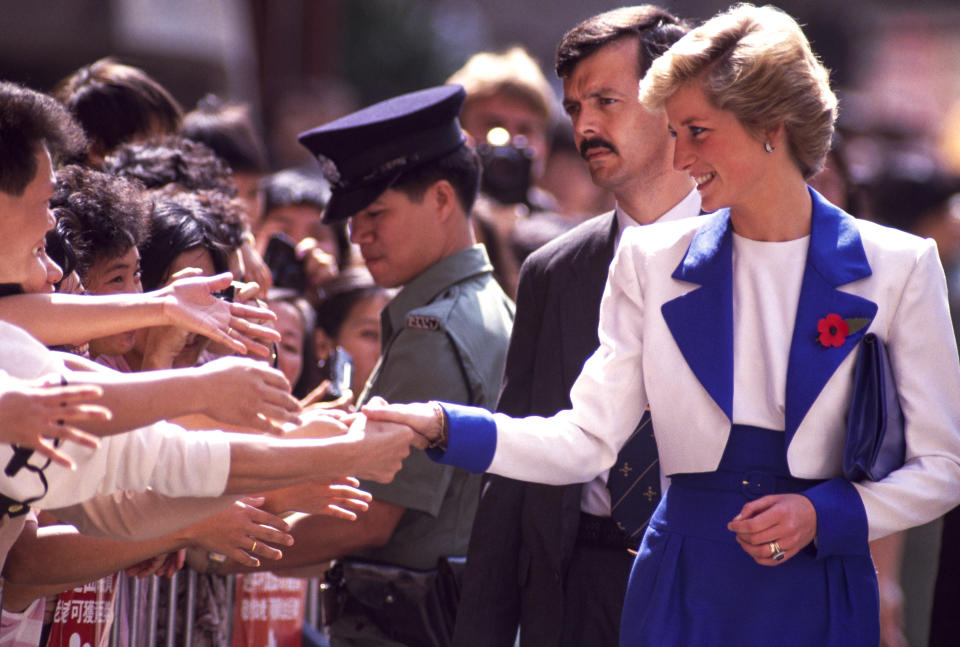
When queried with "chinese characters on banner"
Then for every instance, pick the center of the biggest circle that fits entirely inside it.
(268, 610)
(83, 615)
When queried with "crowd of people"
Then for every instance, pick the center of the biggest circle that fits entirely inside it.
(498, 375)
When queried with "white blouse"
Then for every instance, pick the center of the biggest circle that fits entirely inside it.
(766, 290)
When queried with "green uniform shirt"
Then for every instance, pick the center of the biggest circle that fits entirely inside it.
(445, 337)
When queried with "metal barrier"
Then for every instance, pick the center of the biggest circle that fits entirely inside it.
(140, 609)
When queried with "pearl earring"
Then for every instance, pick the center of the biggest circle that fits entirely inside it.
(767, 146)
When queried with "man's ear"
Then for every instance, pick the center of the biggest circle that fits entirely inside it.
(443, 198)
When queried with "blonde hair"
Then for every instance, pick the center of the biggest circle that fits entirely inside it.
(513, 73)
(756, 63)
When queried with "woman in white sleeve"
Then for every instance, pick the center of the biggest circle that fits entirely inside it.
(740, 330)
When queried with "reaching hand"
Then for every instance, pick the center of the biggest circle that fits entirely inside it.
(190, 303)
(318, 423)
(34, 412)
(787, 521)
(254, 269)
(318, 265)
(164, 565)
(382, 447)
(342, 498)
(246, 392)
(242, 532)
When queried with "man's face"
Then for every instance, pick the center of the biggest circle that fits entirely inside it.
(516, 117)
(620, 140)
(24, 222)
(397, 237)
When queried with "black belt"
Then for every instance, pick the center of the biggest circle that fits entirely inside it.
(603, 532)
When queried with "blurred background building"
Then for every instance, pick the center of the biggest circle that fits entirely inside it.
(301, 62)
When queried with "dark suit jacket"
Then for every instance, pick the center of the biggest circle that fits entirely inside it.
(524, 533)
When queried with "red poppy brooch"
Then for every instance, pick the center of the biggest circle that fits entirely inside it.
(834, 329)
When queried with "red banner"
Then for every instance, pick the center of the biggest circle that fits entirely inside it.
(84, 615)
(268, 610)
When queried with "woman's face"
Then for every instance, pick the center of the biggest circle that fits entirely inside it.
(360, 336)
(198, 258)
(117, 275)
(728, 164)
(290, 349)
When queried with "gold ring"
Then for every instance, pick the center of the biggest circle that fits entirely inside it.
(776, 553)
(229, 331)
(254, 547)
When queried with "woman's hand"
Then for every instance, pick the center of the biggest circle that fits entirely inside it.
(789, 520)
(245, 392)
(242, 532)
(34, 412)
(421, 417)
(190, 304)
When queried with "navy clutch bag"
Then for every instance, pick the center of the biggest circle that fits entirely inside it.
(875, 443)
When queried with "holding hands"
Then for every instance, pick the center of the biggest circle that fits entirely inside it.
(776, 527)
(424, 418)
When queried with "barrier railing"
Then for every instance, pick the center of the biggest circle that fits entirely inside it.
(138, 615)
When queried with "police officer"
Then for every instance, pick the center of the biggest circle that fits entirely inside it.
(403, 174)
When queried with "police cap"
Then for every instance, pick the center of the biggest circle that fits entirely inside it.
(364, 153)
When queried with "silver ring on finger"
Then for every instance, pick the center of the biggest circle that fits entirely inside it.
(777, 553)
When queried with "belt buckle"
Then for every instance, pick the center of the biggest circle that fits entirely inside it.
(755, 483)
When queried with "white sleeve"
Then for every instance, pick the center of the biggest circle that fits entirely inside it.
(923, 357)
(161, 456)
(608, 397)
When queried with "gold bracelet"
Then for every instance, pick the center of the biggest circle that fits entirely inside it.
(441, 440)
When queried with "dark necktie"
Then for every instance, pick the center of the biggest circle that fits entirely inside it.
(634, 481)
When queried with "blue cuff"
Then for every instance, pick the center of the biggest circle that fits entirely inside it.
(841, 519)
(472, 441)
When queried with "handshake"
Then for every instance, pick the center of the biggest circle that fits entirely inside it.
(381, 434)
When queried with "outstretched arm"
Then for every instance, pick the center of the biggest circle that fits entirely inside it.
(233, 390)
(189, 303)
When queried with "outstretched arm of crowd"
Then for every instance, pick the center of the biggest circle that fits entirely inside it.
(259, 463)
(232, 390)
(189, 303)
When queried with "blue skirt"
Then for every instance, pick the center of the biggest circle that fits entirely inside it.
(692, 584)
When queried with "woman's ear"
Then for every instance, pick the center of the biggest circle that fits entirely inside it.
(776, 134)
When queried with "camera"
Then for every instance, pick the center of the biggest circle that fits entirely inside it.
(230, 292)
(507, 163)
(285, 268)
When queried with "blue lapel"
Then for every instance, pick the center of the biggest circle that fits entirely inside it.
(701, 321)
(835, 258)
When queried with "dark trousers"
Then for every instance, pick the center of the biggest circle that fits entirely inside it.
(593, 596)
(945, 621)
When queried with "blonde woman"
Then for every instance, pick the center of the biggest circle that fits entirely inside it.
(740, 329)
